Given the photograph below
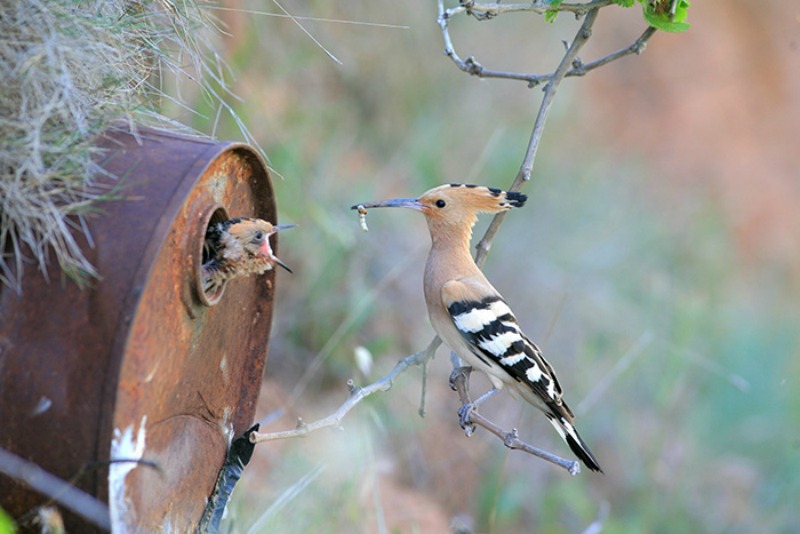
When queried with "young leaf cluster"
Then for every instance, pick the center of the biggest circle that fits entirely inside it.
(664, 15)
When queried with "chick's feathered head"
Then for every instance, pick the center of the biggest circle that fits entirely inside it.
(238, 247)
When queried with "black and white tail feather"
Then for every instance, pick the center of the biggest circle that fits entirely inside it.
(494, 336)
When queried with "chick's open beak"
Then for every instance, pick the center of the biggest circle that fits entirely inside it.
(267, 250)
(279, 227)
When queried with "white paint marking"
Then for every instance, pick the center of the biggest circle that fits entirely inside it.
(124, 446)
(226, 425)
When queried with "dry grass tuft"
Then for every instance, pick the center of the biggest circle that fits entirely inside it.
(69, 69)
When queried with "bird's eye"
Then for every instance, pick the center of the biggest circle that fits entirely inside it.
(441, 203)
(259, 235)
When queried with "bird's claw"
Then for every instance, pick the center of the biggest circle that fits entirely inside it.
(464, 414)
(458, 373)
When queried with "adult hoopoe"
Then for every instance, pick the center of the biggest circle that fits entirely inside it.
(238, 247)
(468, 313)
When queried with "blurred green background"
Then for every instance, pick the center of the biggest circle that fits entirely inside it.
(656, 263)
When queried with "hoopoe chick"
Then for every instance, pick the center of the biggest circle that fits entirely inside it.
(469, 314)
(238, 247)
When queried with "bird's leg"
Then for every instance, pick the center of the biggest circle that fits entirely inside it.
(459, 381)
(460, 374)
(477, 402)
(467, 408)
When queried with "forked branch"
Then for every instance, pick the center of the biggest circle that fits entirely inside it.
(460, 383)
(357, 394)
(570, 65)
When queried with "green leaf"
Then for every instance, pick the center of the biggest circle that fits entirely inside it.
(624, 3)
(656, 13)
(552, 14)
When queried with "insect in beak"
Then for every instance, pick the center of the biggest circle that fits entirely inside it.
(412, 203)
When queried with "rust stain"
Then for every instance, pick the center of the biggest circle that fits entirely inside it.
(141, 342)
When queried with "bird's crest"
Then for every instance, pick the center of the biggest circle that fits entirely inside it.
(451, 209)
(477, 198)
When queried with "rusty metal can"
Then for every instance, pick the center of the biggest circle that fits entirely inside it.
(141, 363)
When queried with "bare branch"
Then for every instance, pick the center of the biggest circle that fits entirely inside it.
(460, 382)
(314, 39)
(485, 11)
(636, 47)
(570, 65)
(524, 174)
(357, 394)
(472, 66)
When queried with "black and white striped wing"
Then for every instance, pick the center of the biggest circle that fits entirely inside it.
(489, 327)
(491, 331)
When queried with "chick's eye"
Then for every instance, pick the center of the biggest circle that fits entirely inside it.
(259, 235)
(441, 203)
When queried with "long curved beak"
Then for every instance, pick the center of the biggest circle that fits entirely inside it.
(412, 203)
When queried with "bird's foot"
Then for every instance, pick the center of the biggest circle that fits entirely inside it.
(466, 410)
(464, 414)
(460, 373)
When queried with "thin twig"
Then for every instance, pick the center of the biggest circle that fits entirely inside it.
(487, 11)
(308, 33)
(357, 394)
(475, 68)
(312, 19)
(460, 382)
(636, 47)
(524, 174)
(59, 490)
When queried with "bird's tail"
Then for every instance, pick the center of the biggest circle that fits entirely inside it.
(567, 431)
